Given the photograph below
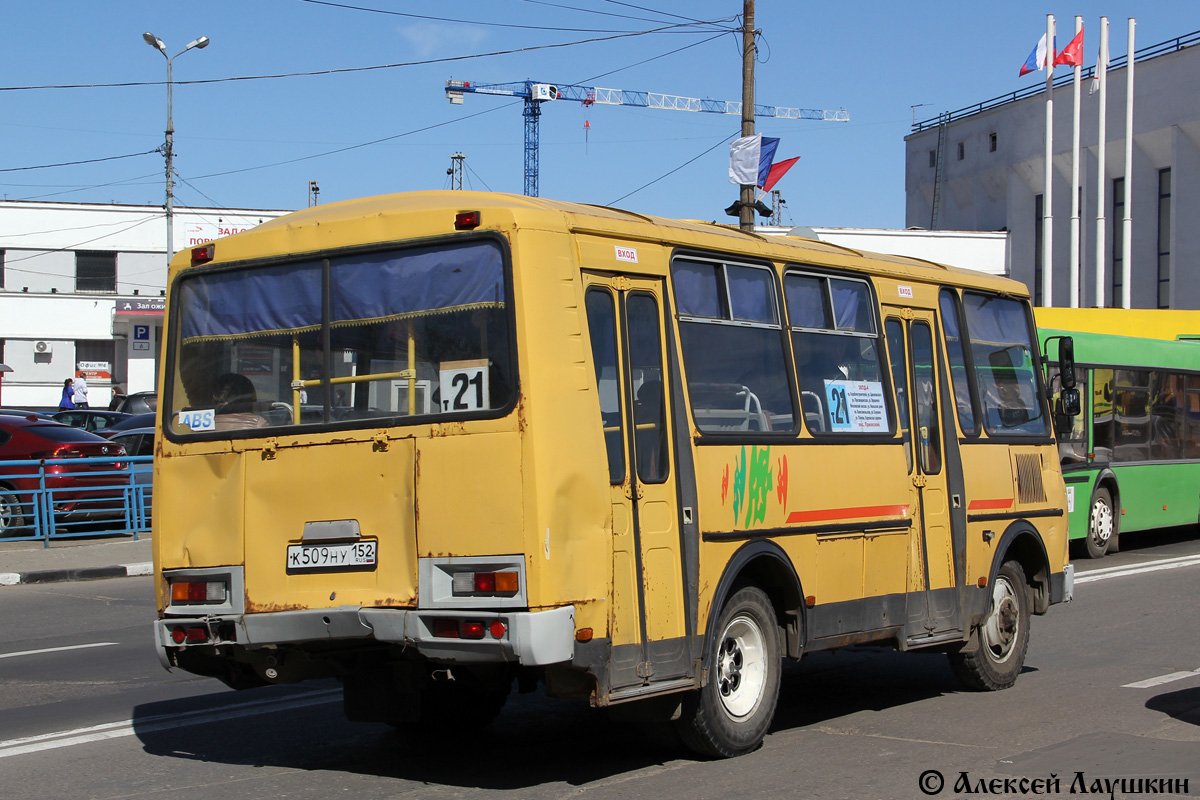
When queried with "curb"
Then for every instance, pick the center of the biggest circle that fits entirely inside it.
(80, 574)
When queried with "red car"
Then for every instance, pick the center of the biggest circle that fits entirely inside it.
(83, 491)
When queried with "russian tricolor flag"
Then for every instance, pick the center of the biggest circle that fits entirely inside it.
(1037, 59)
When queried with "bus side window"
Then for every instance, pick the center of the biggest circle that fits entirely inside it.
(602, 325)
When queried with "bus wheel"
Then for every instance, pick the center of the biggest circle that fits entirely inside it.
(730, 715)
(1101, 524)
(12, 521)
(995, 656)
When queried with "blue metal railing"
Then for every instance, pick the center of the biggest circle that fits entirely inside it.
(110, 496)
(1162, 48)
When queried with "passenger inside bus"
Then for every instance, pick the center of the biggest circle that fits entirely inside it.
(234, 401)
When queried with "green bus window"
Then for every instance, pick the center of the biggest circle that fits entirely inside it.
(1131, 415)
(732, 343)
(1003, 354)
(1166, 416)
(602, 325)
(1102, 415)
(960, 378)
(836, 347)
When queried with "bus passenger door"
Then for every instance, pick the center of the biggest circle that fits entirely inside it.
(647, 619)
(933, 604)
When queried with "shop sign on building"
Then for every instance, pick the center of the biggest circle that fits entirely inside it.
(94, 370)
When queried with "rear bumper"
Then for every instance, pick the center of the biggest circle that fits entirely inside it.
(530, 638)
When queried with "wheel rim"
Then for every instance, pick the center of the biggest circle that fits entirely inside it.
(1003, 627)
(1101, 523)
(7, 513)
(741, 667)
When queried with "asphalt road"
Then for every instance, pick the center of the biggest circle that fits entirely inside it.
(1111, 690)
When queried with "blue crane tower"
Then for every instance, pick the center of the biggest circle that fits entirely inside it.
(535, 93)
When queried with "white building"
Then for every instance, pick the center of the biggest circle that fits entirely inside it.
(986, 251)
(982, 168)
(82, 291)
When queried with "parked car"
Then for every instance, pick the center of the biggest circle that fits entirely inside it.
(80, 492)
(138, 442)
(131, 422)
(138, 403)
(16, 412)
(89, 419)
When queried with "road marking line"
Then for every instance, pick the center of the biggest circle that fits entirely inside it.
(1161, 679)
(56, 649)
(129, 727)
(1136, 569)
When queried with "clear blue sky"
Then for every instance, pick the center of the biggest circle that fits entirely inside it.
(256, 143)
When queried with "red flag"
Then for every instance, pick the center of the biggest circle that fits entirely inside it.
(1072, 54)
(777, 170)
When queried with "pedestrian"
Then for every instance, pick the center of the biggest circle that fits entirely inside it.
(81, 392)
(66, 402)
(118, 394)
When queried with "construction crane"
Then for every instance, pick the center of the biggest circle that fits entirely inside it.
(535, 94)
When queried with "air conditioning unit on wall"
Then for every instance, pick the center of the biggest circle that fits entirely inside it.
(42, 347)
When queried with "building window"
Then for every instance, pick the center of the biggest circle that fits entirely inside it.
(1164, 238)
(1118, 240)
(94, 357)
(932, 158)
(992, 142)
(962, 151)
(95, 272)
(1038, 212)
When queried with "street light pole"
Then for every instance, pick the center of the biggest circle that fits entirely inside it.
(169, 145)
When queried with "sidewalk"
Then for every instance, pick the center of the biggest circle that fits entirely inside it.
(81, 559)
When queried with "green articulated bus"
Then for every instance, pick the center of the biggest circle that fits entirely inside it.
(1131, 459)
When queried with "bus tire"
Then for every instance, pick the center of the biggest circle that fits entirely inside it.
(994, 657)
(1102, 524)
(12, 519)
(730, 714)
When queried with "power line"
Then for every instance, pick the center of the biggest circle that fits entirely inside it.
(672, 172)
(77, 163)
(341, 70)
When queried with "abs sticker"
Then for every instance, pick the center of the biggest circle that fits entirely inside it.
(203, 419)
(905, 291)
(464, 385)
(627, 254)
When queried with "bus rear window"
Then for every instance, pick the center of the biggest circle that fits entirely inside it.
(397, 333)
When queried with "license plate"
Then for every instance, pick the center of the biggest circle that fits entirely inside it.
(356, 555)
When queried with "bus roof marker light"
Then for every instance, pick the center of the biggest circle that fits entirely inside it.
(466, 220)
(203, 254)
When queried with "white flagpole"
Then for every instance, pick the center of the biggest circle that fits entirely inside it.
(1127, 223)
(1047, 205)
(1101, 177)
(1074, 298)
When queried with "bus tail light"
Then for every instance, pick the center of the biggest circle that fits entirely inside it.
(466, 220)
(196, 634)
(445, 628)
(472, 629)
(487, 583)
(197, 591)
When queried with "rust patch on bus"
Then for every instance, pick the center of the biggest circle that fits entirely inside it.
(447, 429)
(266, 608)
(392, 602)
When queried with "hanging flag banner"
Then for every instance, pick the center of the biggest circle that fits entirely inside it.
(1037, 59)
(1072, 54)
(751, 162)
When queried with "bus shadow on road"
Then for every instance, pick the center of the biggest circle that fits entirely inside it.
(1183, 705)
(574, 744)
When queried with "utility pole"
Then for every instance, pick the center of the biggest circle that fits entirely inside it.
(313, 191)
(777, 204)
(746, 216)
(457, 162)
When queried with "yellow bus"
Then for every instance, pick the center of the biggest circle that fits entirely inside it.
(433, 444)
